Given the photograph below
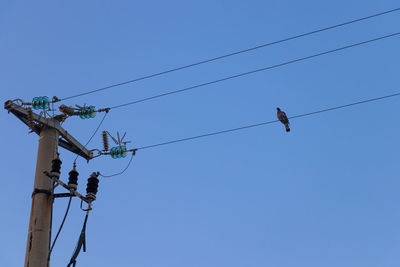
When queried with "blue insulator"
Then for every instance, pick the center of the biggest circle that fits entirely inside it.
(46, 103)
(118, 152)
(112, 152)
(115, 153)
(124, 152)
(92, 112)
(41, 102)
(35, 103)
(87, 112)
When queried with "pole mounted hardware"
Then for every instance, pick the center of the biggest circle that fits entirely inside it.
(72, 191)
(84, 112)
(73, 179)
(41, 118)
(119, 151)
(92, 184)
(37, 122)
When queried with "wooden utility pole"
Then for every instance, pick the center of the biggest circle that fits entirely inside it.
(51, 135)
(39, 233)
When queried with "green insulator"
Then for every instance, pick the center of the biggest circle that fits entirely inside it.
(92, 112)
(41, 102)
(82, 113)
(35, 103)
(45, 102)
(122, 152)
(118, 152)
(112, 152)
(87, 112)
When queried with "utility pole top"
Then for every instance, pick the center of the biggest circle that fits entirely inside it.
(36, 123)
(47, 125)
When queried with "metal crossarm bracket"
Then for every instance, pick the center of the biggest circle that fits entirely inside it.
(66, 140)
(75, 193)
(63, 195)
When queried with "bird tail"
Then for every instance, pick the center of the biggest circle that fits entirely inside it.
(287, 127)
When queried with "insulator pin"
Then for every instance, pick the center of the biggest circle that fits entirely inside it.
(92, 185)
(67, 110)
(105, 140)
(41, 102)
(87, 112)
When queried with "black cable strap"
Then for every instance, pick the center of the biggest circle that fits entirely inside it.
(81, 243)
(41, 191)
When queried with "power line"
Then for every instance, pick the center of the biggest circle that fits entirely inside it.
(254, 71)
(121, 172)
(249, 126)
(233, 53)
(61, 226)
(94, 133)
(268, 122)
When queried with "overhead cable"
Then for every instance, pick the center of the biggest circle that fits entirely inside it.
(61, 226)
(268, 122)
(94, 133)
(249, 126)
(121, 172)
(233, 53)
(254, 71)
(81, 243)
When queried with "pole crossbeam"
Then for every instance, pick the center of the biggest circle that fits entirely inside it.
(66, 140)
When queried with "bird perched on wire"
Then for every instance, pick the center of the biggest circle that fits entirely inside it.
(283, 118)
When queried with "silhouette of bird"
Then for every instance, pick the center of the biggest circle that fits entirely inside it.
(283, 118)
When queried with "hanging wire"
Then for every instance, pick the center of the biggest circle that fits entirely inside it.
(268, 122)
(254, 71)
(121, 172)
(81, 242)
(252, 126)
(61, 226)
(234, 53)
(94, 133)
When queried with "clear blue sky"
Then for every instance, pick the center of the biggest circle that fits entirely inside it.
(326, 194)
